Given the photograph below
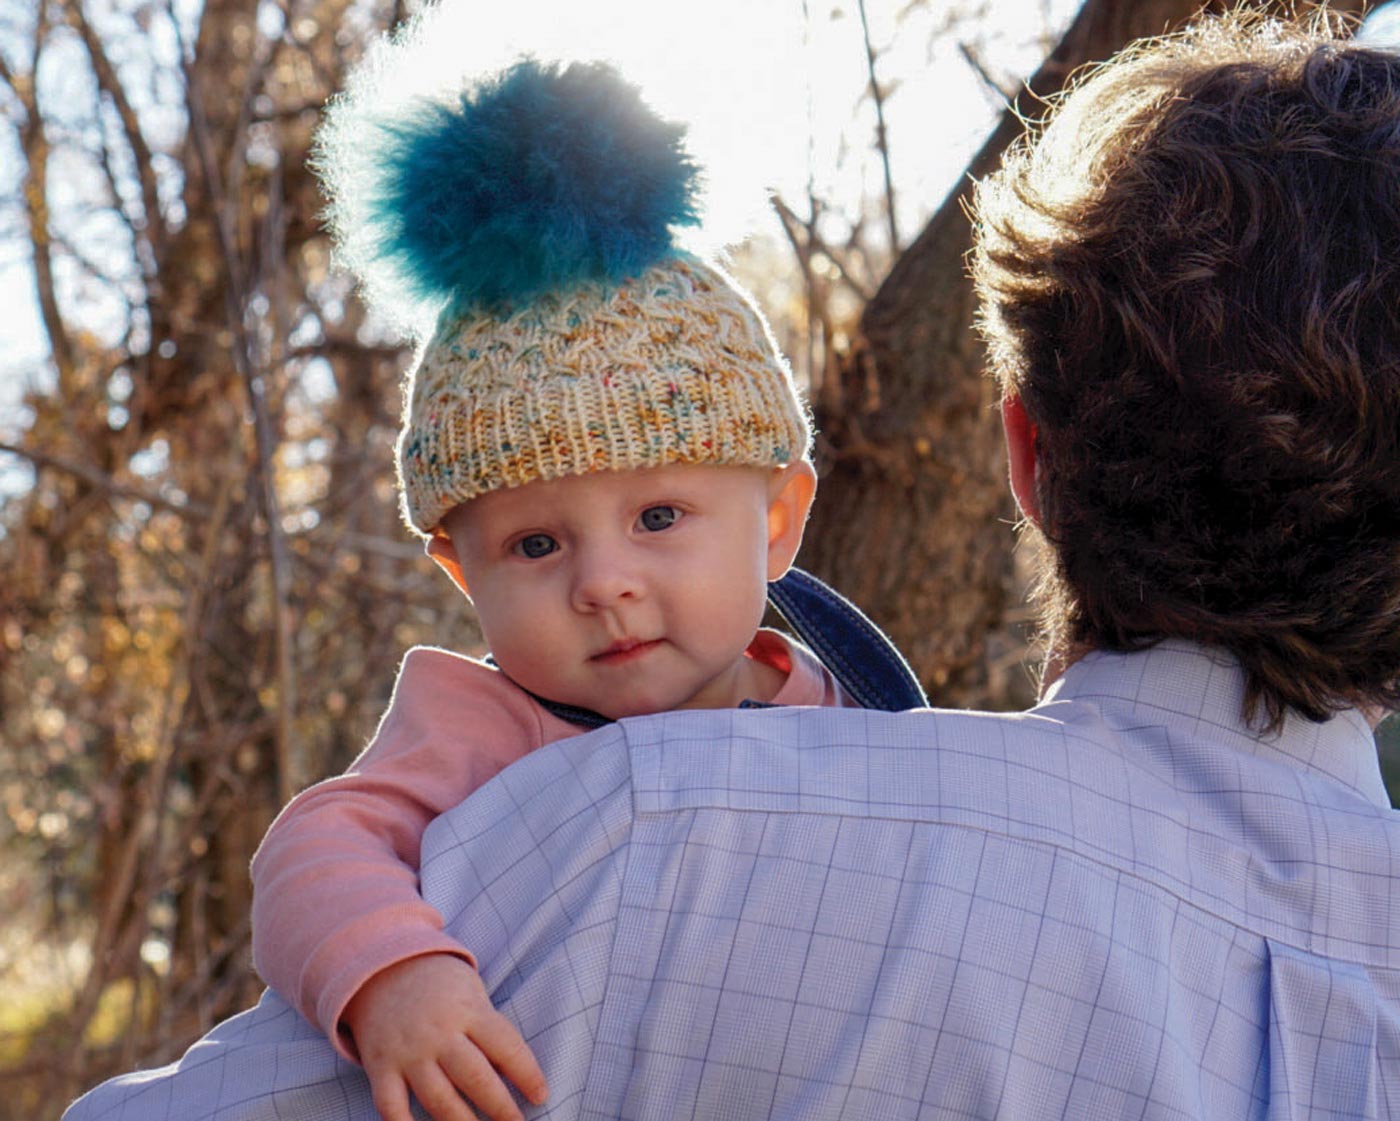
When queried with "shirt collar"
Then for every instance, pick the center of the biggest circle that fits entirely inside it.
(1201, 690)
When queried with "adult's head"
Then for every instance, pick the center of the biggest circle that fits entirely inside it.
(1190, 287)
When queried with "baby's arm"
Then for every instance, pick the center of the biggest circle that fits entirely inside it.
(336, 904)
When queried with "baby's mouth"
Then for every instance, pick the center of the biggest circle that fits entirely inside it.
(625, 650)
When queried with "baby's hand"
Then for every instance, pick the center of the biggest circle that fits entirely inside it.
(427, 1025)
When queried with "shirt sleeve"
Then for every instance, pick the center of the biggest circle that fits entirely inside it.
(335, 881)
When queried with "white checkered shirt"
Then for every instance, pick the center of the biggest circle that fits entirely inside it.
(1118, 905)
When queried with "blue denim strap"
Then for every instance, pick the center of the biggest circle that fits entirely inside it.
(854, 649)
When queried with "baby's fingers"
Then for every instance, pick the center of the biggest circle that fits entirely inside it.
(390, 1095)
(433, 1086)
(508, 1052)
(474, 1076)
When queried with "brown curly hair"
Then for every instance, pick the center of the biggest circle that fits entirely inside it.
(1191, 277)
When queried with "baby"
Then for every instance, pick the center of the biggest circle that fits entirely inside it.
(604, 450)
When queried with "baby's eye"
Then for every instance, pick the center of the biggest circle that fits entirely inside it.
(535, 546)
(656, 518)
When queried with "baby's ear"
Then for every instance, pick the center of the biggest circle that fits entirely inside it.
(790, 494)
(441, 549)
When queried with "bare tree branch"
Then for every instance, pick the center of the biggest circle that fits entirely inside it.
(237, 142)
(8, 77)
(1002, 95)
(86, 262)
(255, 384)
(110, 84)
(105, 482)
(815, 242)
(35, 191)
(333, 346)
(818, 310)
(286, 113)
(881, 136)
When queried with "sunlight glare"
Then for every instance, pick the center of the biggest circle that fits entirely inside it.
(732, 72)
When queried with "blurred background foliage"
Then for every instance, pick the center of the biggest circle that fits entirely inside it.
(207, 588)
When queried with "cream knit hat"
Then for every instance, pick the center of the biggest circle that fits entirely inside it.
(535, 211)
(674, 366)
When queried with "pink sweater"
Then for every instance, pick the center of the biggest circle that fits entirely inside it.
(335, 881)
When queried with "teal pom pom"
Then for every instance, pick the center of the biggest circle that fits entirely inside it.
(540, 178)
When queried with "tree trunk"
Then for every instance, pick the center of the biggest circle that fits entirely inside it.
(912, 518)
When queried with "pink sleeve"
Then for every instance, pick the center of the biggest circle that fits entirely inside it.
(335, 881)
(808, 681)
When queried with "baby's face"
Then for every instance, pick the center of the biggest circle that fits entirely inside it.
(626, 592)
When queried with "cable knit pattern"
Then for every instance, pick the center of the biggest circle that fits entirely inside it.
(675, 366)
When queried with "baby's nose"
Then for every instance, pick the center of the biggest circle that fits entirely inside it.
(604, 578)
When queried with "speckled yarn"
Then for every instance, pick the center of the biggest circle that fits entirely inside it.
(673, 366)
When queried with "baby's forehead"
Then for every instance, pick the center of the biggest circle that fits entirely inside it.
(676, 481)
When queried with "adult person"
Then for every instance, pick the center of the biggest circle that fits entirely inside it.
(1168, 890)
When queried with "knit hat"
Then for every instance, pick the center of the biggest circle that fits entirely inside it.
(536, 212)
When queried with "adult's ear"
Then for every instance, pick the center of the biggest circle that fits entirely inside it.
(790, 494)
(1021, 455)
(441, 549)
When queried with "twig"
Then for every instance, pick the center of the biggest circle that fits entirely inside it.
(817, 311)
(816, 382)
(288, 112)
(8, 77)
(105, 482)
(110, 84)
(333, 346)
(86, 263)
(785, 213)
(1003, 96)
(237, 142)
(109, 935)
(881, 137)
(35, 191)
(177, 688)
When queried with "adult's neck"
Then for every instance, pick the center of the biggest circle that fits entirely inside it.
(1057, 660)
